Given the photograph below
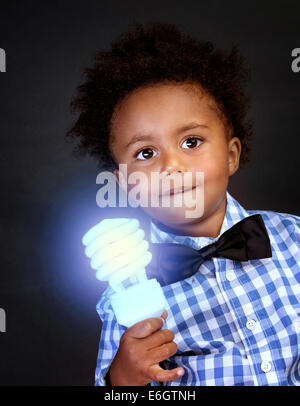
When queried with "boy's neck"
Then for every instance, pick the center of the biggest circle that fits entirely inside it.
(207, 227)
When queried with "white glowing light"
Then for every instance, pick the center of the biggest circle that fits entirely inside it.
(119, 253)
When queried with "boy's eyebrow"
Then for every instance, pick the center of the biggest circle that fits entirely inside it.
(148, 137)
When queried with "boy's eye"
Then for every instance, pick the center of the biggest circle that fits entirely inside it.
(145, 154)
(192, 142)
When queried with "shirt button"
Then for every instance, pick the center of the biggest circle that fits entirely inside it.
(266, 366)
(230, 276)
(250, 324)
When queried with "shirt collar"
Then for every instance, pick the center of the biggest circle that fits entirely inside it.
(234, 213)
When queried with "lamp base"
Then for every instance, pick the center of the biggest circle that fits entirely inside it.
(139, 302)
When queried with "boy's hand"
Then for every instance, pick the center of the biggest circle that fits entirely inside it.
(141, 349)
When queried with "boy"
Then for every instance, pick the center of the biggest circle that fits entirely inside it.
(161, 101)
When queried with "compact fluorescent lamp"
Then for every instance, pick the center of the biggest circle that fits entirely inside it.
(120, 254)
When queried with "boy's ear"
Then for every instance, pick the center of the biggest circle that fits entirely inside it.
(234, 153)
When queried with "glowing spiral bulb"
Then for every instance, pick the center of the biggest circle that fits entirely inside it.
(119, 254)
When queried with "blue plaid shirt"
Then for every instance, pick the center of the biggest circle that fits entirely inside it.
(235, 323)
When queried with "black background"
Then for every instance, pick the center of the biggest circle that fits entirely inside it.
(48, 202)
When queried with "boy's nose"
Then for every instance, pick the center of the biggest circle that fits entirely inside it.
(172, 163)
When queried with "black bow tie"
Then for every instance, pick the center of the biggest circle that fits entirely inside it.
(248, 239)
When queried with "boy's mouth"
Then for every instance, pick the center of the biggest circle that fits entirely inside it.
(175, 191)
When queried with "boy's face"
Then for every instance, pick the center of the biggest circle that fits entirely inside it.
(159, 112)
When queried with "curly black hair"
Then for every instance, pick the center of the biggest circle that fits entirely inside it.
(150, 54)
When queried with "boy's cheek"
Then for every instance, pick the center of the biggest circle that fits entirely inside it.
(216, 172)
(144, 188)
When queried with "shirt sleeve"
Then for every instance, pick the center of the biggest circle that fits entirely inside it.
(296, 221)
(111, 334)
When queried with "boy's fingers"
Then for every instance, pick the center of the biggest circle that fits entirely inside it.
(156, 373)
(163, 352)
(159, 338)
(145, 327)
(164, 315)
